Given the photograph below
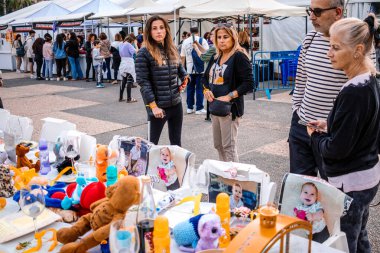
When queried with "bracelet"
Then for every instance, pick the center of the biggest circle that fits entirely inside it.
(152, 106)
(205, 90)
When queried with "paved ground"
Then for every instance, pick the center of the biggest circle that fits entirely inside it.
(262, 133)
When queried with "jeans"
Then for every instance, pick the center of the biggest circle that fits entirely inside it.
(195, 86)
(108, 67)
(355, 221)
(61, 66)
(98, 73)
(88, 67)
(76, 71)
(303, 159)
(127, 81)
(48, 68)
(174, 117)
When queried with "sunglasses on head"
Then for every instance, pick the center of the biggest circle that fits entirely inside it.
(228, 25)
(318, 11)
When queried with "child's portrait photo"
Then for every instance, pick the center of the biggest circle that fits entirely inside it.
(166, 169)
(135, 150)
(242, 193)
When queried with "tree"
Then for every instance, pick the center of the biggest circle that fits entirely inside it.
(14, 5)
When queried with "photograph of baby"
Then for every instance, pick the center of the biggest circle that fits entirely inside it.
(242, 193)
(135, 150)
(167, 171)
(310, 209)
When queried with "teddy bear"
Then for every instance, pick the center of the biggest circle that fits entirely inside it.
(23, 161)
(119, 198)
(103, 155)
(200, 232)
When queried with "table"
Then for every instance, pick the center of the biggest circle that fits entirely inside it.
(175, 215)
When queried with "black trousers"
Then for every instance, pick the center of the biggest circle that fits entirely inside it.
(89, 65)
(1, 104)
(303, 159)
(174, 117)
(39, 63)
(61, 66)
(115, 66)
(127, 81)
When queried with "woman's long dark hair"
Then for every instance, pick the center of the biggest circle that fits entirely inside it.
(59, 41)
(38, 44)
(73, 36)
(152, 46)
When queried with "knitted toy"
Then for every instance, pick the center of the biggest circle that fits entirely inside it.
(23, 161)
(103, 154)
(119, 198)
(6, 185)
(199, 232)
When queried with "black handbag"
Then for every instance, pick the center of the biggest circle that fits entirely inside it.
(220, 108)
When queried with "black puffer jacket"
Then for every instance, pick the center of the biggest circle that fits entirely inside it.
(158, 83)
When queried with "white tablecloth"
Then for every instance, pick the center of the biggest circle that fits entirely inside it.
(175, 215)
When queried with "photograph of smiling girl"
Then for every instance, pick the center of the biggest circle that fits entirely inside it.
(242, 193)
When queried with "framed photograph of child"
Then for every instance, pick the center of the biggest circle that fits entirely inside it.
(136, 153)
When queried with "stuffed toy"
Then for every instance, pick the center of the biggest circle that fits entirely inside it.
(111, 175)
(66, 163)
(67, 202)
(59, 152)
(119, 198)
(6, 185)
(103, 155)
(22, 176)
(300, 214)
(23, 161)
(200, 232)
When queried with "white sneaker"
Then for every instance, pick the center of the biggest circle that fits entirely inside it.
(47, 79)
(189, 111)
(32, 76)
(58, 79)
(64, 79)
(203, 111)
(18, 71)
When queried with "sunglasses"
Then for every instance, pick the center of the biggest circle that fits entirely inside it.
(228, 25)
(318, 11)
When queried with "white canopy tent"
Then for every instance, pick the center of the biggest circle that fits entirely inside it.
(222, 8)
(100, 8)
(22, 13)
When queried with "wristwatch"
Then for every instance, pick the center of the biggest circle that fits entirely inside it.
(231, 94)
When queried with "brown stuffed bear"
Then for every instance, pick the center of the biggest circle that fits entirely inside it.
(119, 197)
(23, 161)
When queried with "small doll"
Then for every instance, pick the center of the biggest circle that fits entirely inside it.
(235, 198)
(167, 170)
(311, 210)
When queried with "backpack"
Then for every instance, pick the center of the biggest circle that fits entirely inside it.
(20, 51)
(198, 65)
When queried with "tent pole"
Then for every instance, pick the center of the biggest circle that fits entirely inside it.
(175, 27)
(250, 35)
(129, 24)
(179, 27)
(84, 27)
(305, 25)
(238, 23)
(108, 22)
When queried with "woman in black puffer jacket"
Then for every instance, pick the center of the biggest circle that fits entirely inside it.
(158, 68)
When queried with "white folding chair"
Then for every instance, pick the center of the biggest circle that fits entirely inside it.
(334, 203)
(4, 115)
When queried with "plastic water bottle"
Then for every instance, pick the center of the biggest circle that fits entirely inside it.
(223, 210)
(44, 157)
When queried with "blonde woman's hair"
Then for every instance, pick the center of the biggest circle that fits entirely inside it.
(152, 46)
(353, 31)
(235, 40)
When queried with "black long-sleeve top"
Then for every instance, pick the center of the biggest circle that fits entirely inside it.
(239, 79)
(353, 130)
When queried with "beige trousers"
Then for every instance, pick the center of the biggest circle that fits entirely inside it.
(225, 131)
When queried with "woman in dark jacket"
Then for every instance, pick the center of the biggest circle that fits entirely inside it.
(72, 49)
(158, 68)
(349, 141)
(38, 56)
(88, 48)
(227, 78)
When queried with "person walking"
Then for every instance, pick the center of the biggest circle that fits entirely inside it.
(127, 68)
(72, 49)
(227, 78)
(20, 52)
(29, 52)
(60, 57)
(351, 144)
(116, 60)
(157, 67)
(88, 46)
(105, 47)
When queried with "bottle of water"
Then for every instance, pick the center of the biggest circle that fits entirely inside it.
(44, 157)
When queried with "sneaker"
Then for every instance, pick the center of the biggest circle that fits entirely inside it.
(18, 71)
(100, 85)
(58, 79)
(87, 80)
(114, 82)
(47, 79)
(65, 79)
(189, 111)
(203, 111)
(32, 76)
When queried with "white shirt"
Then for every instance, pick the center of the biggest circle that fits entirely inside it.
(187, 47)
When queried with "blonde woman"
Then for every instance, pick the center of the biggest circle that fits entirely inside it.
(227, 78)
(157, 67)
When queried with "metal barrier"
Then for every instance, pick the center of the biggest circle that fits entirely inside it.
(274, 70)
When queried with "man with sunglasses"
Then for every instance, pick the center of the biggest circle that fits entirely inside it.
(316, 87)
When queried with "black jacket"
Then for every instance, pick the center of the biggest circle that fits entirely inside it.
(72, 48)
(353, 127)
(88, 48)
(158, 83)
(241, 80)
